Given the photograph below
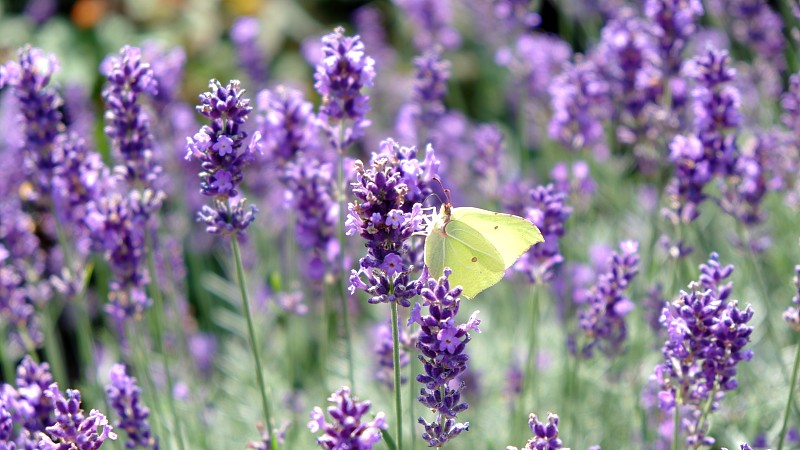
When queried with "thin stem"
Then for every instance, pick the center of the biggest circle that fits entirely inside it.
(789, 400)
(411, 397)
(158, 316)
(530, 385)
(253, 341)
(52, 344)
(396, 359)
(141, 370)
(340, 234)
(8, 365)
(676, 427)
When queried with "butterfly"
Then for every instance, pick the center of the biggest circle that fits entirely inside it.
(477, 245)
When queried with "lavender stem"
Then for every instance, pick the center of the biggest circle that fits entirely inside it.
(253, 341)
(790, 398)
(396, 359)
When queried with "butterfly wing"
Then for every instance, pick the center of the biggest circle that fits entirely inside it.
(510, 235)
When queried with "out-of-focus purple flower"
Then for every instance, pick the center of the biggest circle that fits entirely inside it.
(792, 314)
(221, 150)
(441, 344)
(548, 211)
(575, 180)
(118, 224)
(288, 126)
(418, 119)
(580, 100)
(545, 435)
(487, 163)
(747, 184)
(311, 193)
(203, 349)
(675, 24)
(387, 211)
(755, 24)
(124, 397)
(517, 13)
(244, 34)
(790, 102)
(368, 20)
(343, 73)
(79, 112)
(534, 61)
(693, 171)
(266, 440)
(127, 123)
(432, 23)
(652, 306)
(348, 430)
(707, 338)
(602, 321)
(167, 67)
(72, 430)
(28, 403)
(383, 348)
(40, 112)
(40, 10)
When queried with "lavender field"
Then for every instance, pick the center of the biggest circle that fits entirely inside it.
(244, 225)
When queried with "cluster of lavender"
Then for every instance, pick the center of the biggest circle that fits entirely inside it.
(387, 212)
(548, 211)
(417, 119)
(124, 397)
(792, 314)
(46, 418)
(244, 34)
(348, 430)
(221, 150)
(441, 344)
(602, 321)
(384, 347)
(341, 75)
(545, 435)
(432, 22)
(707, 338)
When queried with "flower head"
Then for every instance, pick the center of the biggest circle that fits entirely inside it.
(347, 430)
(72, 430)
(124, 396)
(545, 435)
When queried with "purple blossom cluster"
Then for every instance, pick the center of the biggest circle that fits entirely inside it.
(547, 210)
(534, 60)
(387, 212)
(345, 70)
(675, 22)
(545, 435)
(792, 314)
(432, 22)
(244, 34)
(602, 321)
(127, 123)
(383, 349)
(288, 126)
(124, 397)
(707, 338)
(348, 428)
(441, 343)
(221, 150)
(45, 418)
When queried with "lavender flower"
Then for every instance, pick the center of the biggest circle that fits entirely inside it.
(421, 116)
(441, 343)
(487, 163)
(534, 61)
(287, 122)
(124, 397)
(127, 123)
(549, 213)
(792, 314)
(29, 404)
(747, 184)
(603, 320)
(790, 102)
(310, 188)
(222, 154)
(575, 180)
(72, 430)
(40, 115)
(383, 348)
(545, 435)
(755, 24)
(344, 71)
(579, 99)
(432, 22)
(693, 171)
(347, 430)
(387, 211)
(707, 339)
(675, 24)
(244, 34)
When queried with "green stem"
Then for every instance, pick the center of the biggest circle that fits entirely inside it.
(411, 397)
(253, 341)
(84, 331)
(398, 405)
(5, 360)
(531, 383)
(343, 276)
(158, 316)
(52, 345)
(141, 370)
(676, 427)
(789, 400)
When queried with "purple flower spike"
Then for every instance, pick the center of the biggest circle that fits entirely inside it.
(287, 122)
(792, 315)
(124, 397)
(127, 123)
(675, 24)
(441, 343)
(223, 153)
(33, 409)
(244, 34)
(603, 320)
(432, 21)
(72, 430)
(387, 212)
(347, 430)
(344, 71)
(383, 349)
(707, 338)
(545, 435)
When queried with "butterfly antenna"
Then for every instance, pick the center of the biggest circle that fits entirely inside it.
(446, 191)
